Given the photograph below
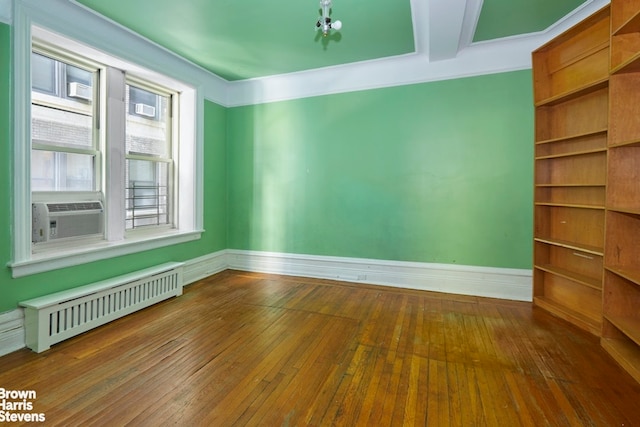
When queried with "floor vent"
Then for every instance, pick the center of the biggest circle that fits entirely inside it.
(56, 317)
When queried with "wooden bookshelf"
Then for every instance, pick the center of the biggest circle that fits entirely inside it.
(574, 61)
(573, 117)
(571, 95)
(621, 289)
(625, 36)
(587, 173)
(621, 329)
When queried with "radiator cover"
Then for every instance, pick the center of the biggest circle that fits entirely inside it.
(57, 317)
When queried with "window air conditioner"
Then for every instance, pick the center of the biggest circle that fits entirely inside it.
(51, 221)
(146, 110)
(78, 90)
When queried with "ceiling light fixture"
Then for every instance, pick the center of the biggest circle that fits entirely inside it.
(324, 23)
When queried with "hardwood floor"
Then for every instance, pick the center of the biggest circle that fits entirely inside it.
(251, 349)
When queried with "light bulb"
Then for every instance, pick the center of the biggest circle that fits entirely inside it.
(336, 25)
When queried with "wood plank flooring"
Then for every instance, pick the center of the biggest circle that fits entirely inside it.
(250, 349)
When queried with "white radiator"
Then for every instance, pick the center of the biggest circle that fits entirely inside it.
(56, 317)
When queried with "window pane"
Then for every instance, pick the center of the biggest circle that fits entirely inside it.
(64, 116)
(62, 128)
(78, 75)
(139, 96)
(147, 131)
(56, 171)
(147, 193)
(43, 74)
(62, 80)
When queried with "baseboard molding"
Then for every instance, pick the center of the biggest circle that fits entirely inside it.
(503, 283)
(12, 330)
(204, 266)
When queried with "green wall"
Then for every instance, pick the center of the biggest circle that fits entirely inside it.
(437, 172)
(215, 237)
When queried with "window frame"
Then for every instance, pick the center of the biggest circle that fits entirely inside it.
(56, 100)
(189, 215)
(172, 142)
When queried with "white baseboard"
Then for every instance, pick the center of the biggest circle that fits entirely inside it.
(204, 266)
(503, 283)
(11, 331)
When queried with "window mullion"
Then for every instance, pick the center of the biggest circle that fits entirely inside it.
(115, 149)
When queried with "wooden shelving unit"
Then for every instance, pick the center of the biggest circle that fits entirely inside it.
(621, 302)
(587, 173)
(571, 94)
(625, 36)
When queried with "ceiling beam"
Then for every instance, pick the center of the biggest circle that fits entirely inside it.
(471, 17)
(445, 28)
(420, 18)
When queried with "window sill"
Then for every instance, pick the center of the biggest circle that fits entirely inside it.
(67, 256)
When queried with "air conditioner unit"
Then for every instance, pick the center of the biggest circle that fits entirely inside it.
(81, 91)
(146, 110)
(51, 221)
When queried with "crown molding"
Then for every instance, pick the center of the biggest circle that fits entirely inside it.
(490, 57)
(381, 73)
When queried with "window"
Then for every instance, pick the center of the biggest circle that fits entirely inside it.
(145, 103)
(61, 79)
(105, 130)
(65, 154)
(149, 167)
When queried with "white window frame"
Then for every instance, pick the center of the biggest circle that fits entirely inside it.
(95, 149)
(188, 218)
(174, 111)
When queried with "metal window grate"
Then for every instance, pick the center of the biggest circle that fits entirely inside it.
(146, 205)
